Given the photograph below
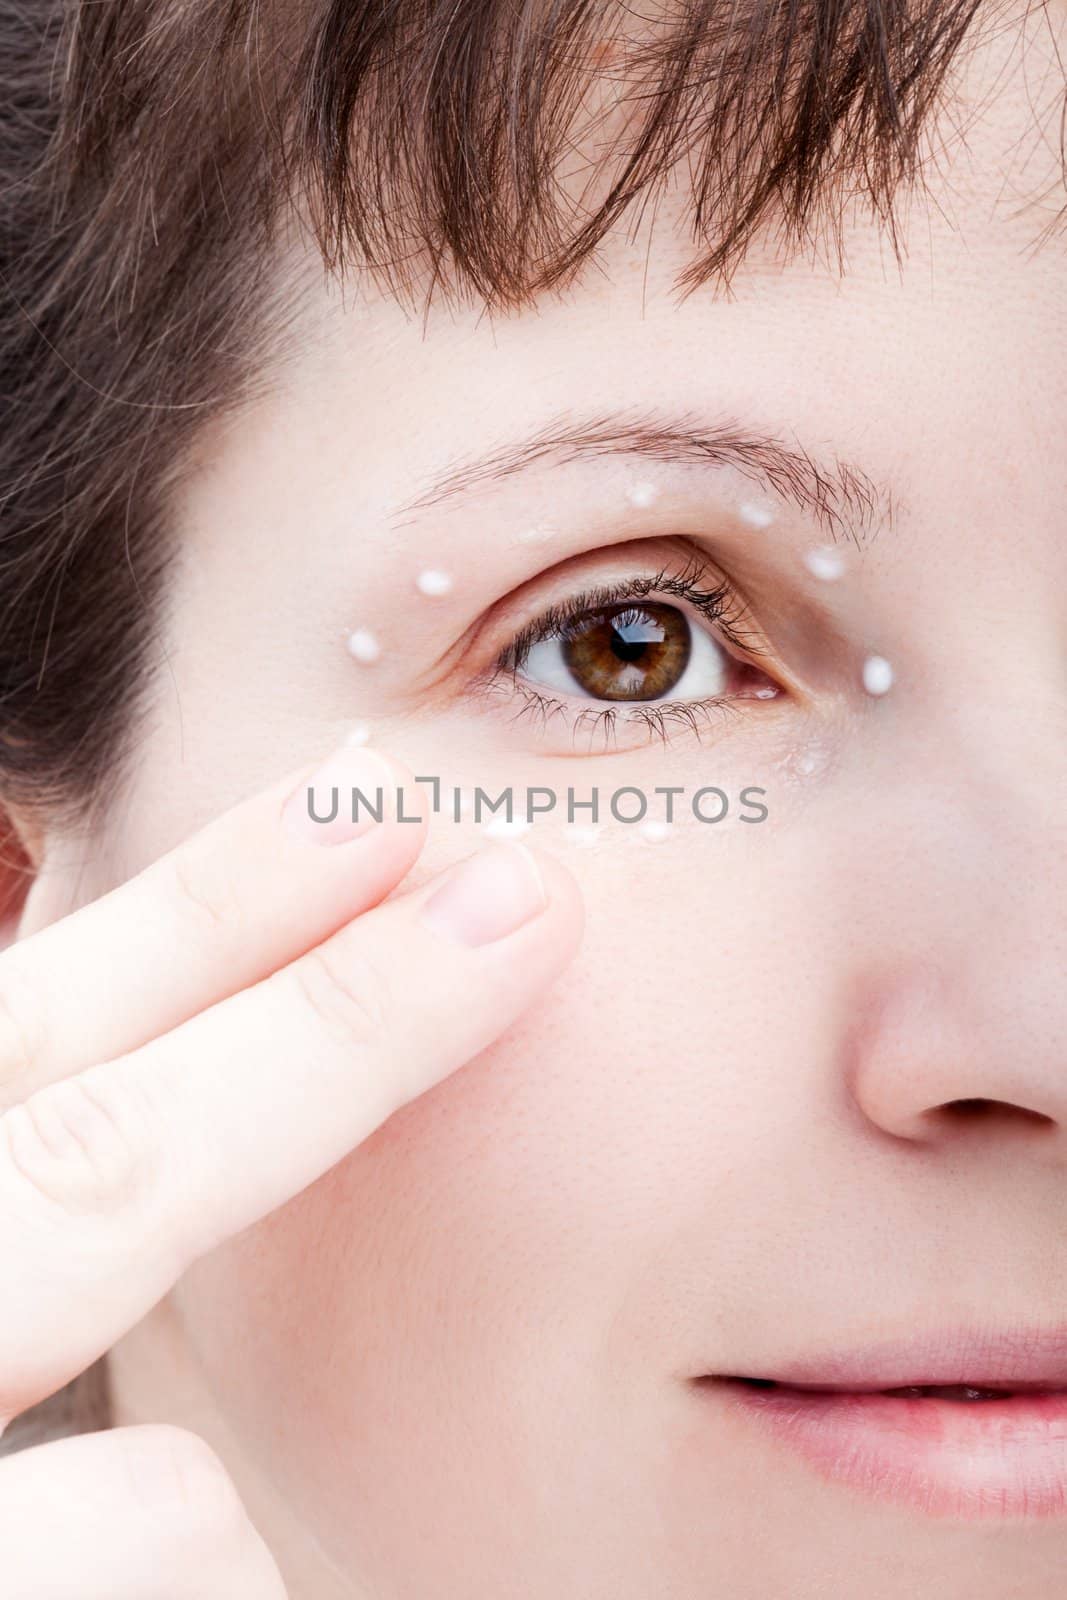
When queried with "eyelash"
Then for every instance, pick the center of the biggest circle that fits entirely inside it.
(720, 606)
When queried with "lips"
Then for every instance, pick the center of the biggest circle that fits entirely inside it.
(959, 1425)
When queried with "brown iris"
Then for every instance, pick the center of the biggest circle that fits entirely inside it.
(628, 651)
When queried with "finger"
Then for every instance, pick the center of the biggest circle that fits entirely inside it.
(241, 898)
(147, 1514)
(114, 1181)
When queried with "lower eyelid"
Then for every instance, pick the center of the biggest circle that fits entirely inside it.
(656, 720)
(648, 721)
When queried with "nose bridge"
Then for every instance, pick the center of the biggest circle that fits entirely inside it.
(975, 809)
(996, 719)
(959, 966)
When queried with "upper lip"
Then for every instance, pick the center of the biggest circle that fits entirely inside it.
(1020, 1358)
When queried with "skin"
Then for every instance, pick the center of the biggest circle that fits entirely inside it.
(718, 1142)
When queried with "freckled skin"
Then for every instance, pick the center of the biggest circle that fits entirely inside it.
(714, 1146)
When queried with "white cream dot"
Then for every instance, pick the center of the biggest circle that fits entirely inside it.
(501, 828)
(825, 563)
(363, 646)
(642, 494)
(432, 582)
(877, 675)
(583, 833)
(358, 733)
(536, 535)
(806, 761)
(655, 832)
(756, 516)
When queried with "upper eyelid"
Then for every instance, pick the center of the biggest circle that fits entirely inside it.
(545, 625)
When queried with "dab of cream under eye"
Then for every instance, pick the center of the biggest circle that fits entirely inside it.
(583, 834)
(807, 762)
(503, 828)
(877, 675)
(363, 646)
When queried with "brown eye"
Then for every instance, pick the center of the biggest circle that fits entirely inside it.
(632, 651)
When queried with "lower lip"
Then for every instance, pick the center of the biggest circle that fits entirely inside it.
(947, 1458)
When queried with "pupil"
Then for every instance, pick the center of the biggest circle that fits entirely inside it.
(629, 640)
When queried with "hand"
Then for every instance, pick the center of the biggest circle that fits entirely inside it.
(177, 1059)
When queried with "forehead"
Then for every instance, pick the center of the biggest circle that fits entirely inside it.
(722, 145)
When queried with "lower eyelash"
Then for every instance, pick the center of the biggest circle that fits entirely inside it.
(658, 719)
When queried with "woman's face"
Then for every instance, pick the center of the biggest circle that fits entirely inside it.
(729, 1142)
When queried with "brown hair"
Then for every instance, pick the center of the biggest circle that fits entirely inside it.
(151, 150)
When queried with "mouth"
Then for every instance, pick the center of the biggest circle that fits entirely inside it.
(950, 1428)
(961, 1393)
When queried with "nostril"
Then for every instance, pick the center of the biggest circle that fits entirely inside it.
(978, 1109)
(971, 1109)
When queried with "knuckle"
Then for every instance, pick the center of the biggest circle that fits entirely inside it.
(345, 991)
(204, 891)
(78, 1145)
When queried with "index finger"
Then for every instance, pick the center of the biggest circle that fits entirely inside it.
(228, 906)
(114, 1181)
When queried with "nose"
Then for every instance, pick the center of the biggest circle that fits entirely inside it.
(958, 1014)
(935, 1054)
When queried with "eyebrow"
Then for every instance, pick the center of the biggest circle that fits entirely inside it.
(843, 499)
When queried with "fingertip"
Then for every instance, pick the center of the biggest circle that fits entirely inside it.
(565, 903)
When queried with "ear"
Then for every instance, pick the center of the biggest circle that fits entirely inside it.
(17, 872)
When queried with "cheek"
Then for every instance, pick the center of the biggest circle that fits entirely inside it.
(493, 1254)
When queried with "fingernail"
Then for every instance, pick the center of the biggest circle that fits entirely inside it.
(345, 798)
(488, 896)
